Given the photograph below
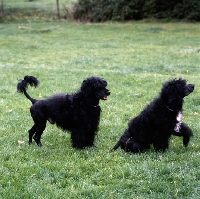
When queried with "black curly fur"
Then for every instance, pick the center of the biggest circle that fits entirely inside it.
(78, 112)
(156, 123)
(23, 85)
(28, 80)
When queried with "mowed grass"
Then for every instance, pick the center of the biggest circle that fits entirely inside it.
(135, 58)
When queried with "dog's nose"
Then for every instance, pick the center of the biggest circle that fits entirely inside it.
(108, 93)
(191, 86)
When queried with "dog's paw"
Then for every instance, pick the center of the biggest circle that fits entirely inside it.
(37, 141)
(39, 144)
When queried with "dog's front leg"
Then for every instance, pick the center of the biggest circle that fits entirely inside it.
(78, 139)
(89, 138)
(184, 132)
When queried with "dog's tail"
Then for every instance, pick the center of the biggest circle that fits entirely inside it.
(116, 145)
(23, 85)
(121, 140)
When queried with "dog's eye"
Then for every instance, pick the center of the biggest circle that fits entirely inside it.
(99, 89)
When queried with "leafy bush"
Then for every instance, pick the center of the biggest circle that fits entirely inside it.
(120, 10)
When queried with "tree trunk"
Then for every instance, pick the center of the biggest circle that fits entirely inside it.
(2, 9)
(58, 9)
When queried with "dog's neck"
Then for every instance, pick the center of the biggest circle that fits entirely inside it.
(88, 99)
(179, 115)
(170, 109)
(93, 103)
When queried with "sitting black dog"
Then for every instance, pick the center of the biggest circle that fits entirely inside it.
(78, 112)
(159, 120)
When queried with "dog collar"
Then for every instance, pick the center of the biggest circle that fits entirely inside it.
(95, 106)
(168, 107)
(89, 104)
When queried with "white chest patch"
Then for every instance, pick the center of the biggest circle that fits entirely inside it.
(177, 128)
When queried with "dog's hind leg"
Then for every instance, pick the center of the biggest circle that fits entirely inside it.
(31, 133)
(39, 130)
(40, 121)
(161, 144)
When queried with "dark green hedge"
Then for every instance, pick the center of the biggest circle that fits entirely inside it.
(121, 10)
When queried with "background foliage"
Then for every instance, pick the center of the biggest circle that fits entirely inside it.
(120, 10)
(101, 10)
(36, 10)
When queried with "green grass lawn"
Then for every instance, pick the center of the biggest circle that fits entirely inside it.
(135, 58)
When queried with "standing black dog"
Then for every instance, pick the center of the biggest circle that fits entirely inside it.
(78, 112)
(159, 120)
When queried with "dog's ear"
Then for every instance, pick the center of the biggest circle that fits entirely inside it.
(89, 83)
(86, 86)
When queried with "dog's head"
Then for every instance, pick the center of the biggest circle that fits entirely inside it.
(95, 87)
(174, 91)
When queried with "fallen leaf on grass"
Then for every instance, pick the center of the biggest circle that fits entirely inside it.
(20, 142)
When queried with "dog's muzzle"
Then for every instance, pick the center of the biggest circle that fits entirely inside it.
(107, 94)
